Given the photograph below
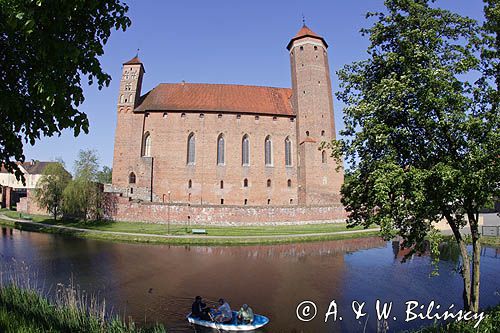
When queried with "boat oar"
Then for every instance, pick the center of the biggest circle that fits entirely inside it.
(211, 317)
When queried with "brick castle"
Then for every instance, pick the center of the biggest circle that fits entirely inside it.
(218, 144)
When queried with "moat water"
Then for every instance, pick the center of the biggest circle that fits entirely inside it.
(156, 283)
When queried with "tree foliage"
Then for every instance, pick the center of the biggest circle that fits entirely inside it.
(50, 188)
(83, 197)
(105, 175)
(46, 49)
(422, 137)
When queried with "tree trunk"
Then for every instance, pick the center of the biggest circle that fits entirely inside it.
(476, 259)
(466, 276)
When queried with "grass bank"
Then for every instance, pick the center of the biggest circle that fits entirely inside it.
(490, 324)
(181, 234)
(24, 310)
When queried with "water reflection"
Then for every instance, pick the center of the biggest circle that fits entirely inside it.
(157, 283)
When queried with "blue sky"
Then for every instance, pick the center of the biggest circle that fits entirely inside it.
(240, 42)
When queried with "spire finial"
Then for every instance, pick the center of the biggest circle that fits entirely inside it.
(137, 53)
(303, 20)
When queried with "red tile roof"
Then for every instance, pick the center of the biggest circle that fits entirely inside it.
(135, 61)
(218, 98)
(305, 32)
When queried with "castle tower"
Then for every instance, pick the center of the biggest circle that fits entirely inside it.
(131, 82)
(132, 169)
(318, 180)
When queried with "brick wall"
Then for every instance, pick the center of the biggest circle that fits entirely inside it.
(28, 205)
(124, 210)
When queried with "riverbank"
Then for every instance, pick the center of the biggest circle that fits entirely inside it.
(24, 310)
(491, 323)
(138, 232)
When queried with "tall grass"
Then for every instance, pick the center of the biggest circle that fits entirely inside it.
(25, 308)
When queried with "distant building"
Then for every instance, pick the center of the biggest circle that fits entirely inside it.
(222, 144)
(12, 190)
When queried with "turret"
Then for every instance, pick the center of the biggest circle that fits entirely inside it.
(312, 100)
(131, 82)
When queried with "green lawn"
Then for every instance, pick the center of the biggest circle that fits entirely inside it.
(162, 229)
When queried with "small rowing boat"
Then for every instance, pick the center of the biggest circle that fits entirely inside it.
(258, 322)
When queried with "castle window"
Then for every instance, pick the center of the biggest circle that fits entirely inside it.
(221, 201)
(292, 120)
(245, 182)
(130, 98)
(307, 133)
(238, 116)
(302, 48)
(202, 115)
(128, 86)
(183, 115)
(165, 114)
(256, 117)
(122, 99)
(268, 201)
(268, 154)
(288, 152)
(269, 183)
(219, 115)
(132, 75)
(323, 156)
(221, 184)
(289, 183)
(315, 48)
(131, 190)
(291, 201)
(146, 148)
(131, 178)
(191, 149)
(246, 201)
(220, 150)
(323, 133)
(275, 118)
(245, 151)
(190, 183)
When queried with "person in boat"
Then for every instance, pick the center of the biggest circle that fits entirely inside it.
(245, 315)
(199, 309)
(223, 313)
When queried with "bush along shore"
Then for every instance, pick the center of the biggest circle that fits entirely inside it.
(490, 324)
(27, 311)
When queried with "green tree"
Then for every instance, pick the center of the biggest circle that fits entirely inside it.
(46, 47)
(50, 187)
(421, 140)
(105, 175)
(83, 197)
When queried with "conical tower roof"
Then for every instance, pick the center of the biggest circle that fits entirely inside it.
(305, 32)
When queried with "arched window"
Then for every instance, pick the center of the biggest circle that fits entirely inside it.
(307, 133)
(288, 152)
(245, 150)
(131, 178)
(323, 133)
(289, 182)
(190, 183)
(221, 184)
(191, 143)
(268, 146)
(245, 182)
(220, 150)
(128, 86)
(323, 156)
(146, 150)
(269, 183)
(122, 98)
